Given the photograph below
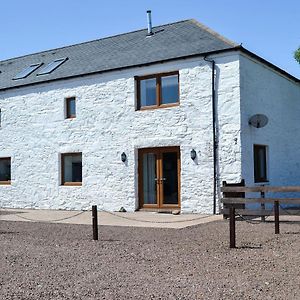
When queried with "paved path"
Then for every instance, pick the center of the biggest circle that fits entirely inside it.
(138, 219)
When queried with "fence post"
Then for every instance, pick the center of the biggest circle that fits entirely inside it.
(276, 216)
(233, 195)
(232, 226)
(95, 222)
(262, 205)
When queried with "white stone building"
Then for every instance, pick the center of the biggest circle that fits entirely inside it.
(144, 121)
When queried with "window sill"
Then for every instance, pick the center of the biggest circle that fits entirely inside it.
(158, 107)
(72, 184)
(5, 182)
(261, 182)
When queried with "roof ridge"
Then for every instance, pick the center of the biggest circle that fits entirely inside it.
(95, 40)
(214, 33)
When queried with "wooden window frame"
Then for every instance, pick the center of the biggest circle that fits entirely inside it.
(67, 105)
(158, 78)
(67, 183)
(256, 149)
(8, 182)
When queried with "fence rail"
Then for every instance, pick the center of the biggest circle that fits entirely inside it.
(259, 189)
(232, 204)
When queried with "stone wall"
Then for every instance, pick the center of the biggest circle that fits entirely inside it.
(265, 91)
(34, 133)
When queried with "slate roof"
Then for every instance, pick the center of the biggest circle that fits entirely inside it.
(170, 41)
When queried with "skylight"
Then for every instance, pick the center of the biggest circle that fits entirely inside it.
(52, 66)
(27, 71)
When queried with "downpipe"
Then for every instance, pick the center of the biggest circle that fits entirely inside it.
(215, 141)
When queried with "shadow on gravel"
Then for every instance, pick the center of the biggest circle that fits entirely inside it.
(249, 247)
(109, 240)
(293, 232)
(8, 232)
(289, 222)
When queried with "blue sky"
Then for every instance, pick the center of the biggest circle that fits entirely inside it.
(270, 28)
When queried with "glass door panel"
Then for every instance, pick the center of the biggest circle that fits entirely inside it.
(159, 177)
(169, 178)
(149, 178)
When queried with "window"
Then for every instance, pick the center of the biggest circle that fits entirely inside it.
(27, 71)
(5, 170)
(52, 66)
(260, 163)
(159, 90)
(71, 169)
(70, 108)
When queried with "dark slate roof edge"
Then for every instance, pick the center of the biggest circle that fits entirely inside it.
(121, 68)
(267, 63)
(236, 48)
(109, 37)
(214, 33)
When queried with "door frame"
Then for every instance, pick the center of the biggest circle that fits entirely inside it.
(158, 151)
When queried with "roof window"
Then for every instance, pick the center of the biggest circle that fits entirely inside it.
(52, 66)
(27, 71)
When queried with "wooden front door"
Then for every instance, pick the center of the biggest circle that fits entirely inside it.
(159, 177)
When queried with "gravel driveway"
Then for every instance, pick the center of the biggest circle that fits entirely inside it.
(60, 261)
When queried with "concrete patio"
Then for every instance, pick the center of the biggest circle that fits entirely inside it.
(135, 219)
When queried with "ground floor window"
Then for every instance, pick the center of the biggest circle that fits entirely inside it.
(5, 170)
(260, 163)
(71, 168)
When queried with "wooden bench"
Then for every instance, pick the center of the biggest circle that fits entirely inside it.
(232, 204)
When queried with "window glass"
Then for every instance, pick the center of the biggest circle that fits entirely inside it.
(5, 169)
(27, 71)
(72, 168)
(52, 66)
(71, 107)
(148, 92)
(169, 89)
(260, 163)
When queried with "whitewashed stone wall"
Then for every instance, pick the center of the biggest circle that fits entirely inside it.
(265, 91)
(34, 133)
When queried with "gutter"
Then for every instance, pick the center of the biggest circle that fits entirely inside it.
(215, 136)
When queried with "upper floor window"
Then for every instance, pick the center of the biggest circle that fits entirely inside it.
(158, 90)
(260, 163)
(71, 170)
(70, 108)
(5, 170)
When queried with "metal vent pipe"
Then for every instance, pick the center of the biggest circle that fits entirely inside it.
(149, 22)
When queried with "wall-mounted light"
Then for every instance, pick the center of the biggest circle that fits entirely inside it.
(193, 154)
(123, 157)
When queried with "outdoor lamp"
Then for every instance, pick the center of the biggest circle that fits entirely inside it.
(123, 157)
(193, 154)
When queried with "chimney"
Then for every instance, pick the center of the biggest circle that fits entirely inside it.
(149, 22)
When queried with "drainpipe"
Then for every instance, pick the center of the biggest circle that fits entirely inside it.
(215, 141)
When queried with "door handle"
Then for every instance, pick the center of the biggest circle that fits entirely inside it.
(160, 179)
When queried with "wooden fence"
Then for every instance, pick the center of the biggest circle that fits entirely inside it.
(232, 205)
